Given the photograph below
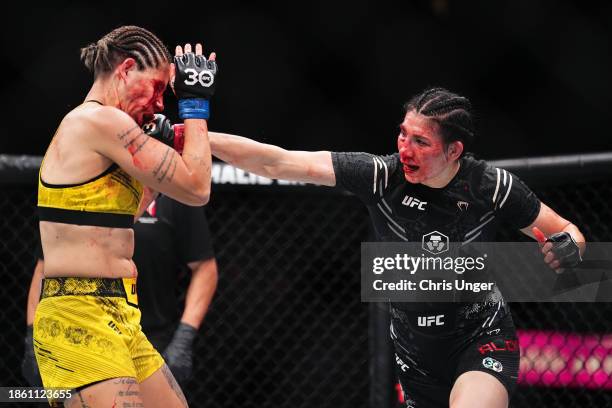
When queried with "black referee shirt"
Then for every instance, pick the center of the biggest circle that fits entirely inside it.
(168, 236)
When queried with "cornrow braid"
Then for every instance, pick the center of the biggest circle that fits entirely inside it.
(452, 112)
(148, 51)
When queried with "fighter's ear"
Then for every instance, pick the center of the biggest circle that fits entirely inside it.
(125, 66)
(455, 149)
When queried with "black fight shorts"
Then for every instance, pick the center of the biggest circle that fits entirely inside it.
(427, 366)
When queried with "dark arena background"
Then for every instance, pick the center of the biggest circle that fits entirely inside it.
(287, 327)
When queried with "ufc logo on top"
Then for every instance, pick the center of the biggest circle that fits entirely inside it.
(414, 202)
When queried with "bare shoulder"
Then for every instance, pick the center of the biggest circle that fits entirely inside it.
(75, 154)
(99, 127)
(106, 120)
(82, 122)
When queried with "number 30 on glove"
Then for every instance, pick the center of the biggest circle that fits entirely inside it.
(194, 84)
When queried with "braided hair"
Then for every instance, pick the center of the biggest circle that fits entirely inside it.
(452, 113)
(148, 51)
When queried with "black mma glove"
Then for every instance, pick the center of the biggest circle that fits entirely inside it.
(566, 250)
(29, 366)
(194, 85)
(179, 353)
(163, 130)
(160, 128)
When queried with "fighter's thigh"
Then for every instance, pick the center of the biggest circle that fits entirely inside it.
(478, 389)
(160, 389)
(116, 392)
(488, 367)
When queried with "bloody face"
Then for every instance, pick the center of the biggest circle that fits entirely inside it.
(144, 93)
(422, 150)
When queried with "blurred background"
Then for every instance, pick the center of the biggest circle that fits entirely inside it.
(334, 75)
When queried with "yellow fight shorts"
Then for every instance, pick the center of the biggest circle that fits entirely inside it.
(88, 330)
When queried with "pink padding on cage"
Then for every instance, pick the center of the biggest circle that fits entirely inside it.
(557, 359)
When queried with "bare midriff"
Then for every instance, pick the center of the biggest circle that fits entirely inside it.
(87, 251)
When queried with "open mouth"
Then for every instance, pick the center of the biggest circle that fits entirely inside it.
(410, 168)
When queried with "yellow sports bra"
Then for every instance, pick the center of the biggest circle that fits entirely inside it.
(108, 200)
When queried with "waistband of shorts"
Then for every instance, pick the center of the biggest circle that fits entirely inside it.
(101, 287)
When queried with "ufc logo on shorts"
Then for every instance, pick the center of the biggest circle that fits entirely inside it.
(426, 321)
(414, 202)
(403, 366)
(205, 78)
